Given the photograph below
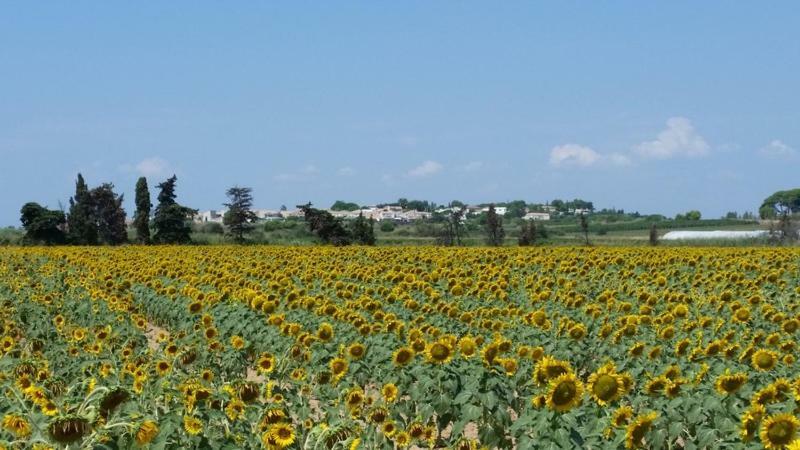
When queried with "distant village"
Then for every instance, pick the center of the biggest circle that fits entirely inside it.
(393, 213)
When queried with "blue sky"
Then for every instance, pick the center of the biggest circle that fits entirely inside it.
(656, 107)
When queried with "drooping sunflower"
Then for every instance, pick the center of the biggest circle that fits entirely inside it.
(548, 368)
(17, 425)
(750, 421)
(564, 393)
(148, 430)
(779, 430)
(622, 416)
(728, 383)
(636, 431)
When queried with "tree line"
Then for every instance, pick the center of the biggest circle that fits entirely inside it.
(96, 217)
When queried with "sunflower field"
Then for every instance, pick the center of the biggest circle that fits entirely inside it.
(394, 348)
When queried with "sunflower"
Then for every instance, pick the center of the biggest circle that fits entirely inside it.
(622, 416)
(750, 422)
(356, 350)
(354, 398)
(339, 368)
(388, 428)
(16, 425)
(389, 392)
(162, 367)
(779, 430)
(548, 368)
(728, 383)
(564, 393)
(467, 346)
(282, 434)
(325, 332)
(378, 415)
(764, 360)
(439, 352)
(402, 356)
(509, 365)
(237, 342)
(148, 430)
(656, 385)
(192, 425)
(265, 363)
(605, 385)
(635, 431)
(402, 439)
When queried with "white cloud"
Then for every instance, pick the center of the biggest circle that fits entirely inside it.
(573, 155)
(777, 149)
(346, 172)
(309, 169)
(149, 167)
(425, 169)
(678, 139)
(618, 159)
(472, 166)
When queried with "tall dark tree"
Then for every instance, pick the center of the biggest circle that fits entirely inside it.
(109, 215)
(527, 233)
(453, 228)
(42, 225)
(325, 226)
(239, 218)
(585, 228)
(170, 218)
(495, 234)
(81, 222)
(653, 235)
(363, 230)
(141, 219)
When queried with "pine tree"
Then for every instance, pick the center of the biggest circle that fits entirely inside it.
(495, 234)
(81, 222)
(109, 215)
(141, 219)
(239, 218)
(169, 220)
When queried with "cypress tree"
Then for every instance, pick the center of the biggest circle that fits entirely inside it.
(495, 234)
(109, 215)
(363, 230)
(81, 222)
(141, 220)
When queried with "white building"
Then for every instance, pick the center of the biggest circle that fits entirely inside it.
(500, 210)
(537, 216)
(209, 216)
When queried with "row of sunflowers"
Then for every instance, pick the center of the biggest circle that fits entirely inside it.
(346, 348)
